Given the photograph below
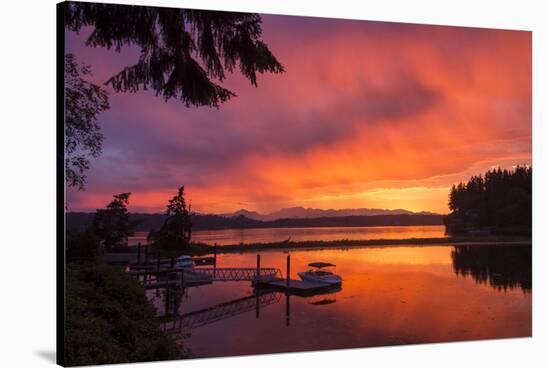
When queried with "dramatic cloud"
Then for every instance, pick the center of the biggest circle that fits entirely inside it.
(368, 114)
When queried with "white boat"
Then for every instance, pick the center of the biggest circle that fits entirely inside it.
(318, 273)
(184, 262)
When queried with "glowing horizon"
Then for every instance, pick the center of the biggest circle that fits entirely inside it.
(368, 115)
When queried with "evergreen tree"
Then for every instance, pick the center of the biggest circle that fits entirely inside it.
(499, 201)
(175, 233)
(184, 53)
(112, 224)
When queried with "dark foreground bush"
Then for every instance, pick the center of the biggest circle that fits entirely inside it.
(109, 319)
(81, 246)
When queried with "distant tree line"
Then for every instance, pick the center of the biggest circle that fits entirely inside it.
(500, 201)
(154, 221)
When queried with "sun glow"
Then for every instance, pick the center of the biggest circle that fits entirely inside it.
(387, 119)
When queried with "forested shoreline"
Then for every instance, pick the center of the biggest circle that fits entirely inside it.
(498, 202)
(147, 222)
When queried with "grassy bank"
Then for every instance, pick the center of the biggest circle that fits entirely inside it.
(201, 248)
(110, 320)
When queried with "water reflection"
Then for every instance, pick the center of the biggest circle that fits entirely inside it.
(389, 296)
(174, 322)
(323, 302)
(502, 267)
(269, 235)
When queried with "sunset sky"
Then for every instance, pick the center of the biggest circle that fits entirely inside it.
(368, 114)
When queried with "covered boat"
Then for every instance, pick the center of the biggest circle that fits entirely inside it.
(184, 262)
(319, 273)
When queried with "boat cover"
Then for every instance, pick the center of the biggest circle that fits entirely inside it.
(321, 264)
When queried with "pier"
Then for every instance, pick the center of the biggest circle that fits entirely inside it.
(268, 284)
(163, 274)
(293, 286)
(171, 276)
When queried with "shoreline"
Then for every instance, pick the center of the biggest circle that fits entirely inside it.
(346, 244)
(202, 248)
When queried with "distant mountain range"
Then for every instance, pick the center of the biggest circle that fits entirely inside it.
(149, 221)
(307, 213)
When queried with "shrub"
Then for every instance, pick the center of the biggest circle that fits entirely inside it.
(110, 320)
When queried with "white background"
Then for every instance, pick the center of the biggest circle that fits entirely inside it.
(27, 205)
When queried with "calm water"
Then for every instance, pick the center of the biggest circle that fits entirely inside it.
(389, 296)
(237, 236)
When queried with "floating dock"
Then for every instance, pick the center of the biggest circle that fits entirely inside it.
(297, 287)
(290, 286)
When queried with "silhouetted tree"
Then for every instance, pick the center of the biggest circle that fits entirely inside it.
(499, 201)
(175, 233)
(112, 224)
(182, 51)
(84, 101)
(183, 54)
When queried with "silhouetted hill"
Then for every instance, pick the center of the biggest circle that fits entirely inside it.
(301, 212)
(79, 220)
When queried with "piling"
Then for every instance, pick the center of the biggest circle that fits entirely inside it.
(258, 265)
(257, 304)
(288, 271)
(287, 309)
(158, 260)
(215, 253)
(166, 305)
(215, 258)
(139, 253)
(146, 254)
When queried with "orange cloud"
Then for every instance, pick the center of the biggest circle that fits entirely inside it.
(367, 115)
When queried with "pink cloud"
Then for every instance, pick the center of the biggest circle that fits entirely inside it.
(361, 103)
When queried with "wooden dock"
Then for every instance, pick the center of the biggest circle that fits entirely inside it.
(163, 274)
(212, 274)
(297, 287)
(154, 278)
(164, 278)
(290, 286)
(143, 258)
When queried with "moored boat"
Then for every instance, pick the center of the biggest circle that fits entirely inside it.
(319, 273)
(184, 262)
